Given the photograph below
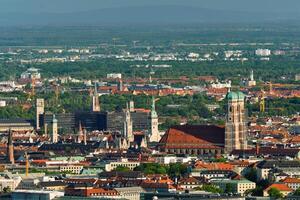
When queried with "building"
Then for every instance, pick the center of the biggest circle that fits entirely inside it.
(10, 148)
(75, 169)
(40, 109)
(88, 190)
(122, 163)
(16, 125)
(114, 76)
(293, 183)
(290, 167)
(190, 183)
(282, 187)
(127, 130)
(54, 131)
(154, 133)
(251, 82)
(263, 52)
(70, 121)
(96, 104)
(297, 77)
(35, 194)
(31, 73)
(132, 193)
(8, 182)
(238, 186)
(210, 139)
(235, 126)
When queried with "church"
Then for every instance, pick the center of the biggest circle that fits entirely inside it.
(210, 139)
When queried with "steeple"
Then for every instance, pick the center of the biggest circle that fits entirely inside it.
(96, 104)
(153, 111)
(54, 133)
(128, 132)
(153, 132)
(251, 76)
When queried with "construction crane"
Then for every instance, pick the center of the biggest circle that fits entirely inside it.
(262, 105)
(31, 92)
(26, 164)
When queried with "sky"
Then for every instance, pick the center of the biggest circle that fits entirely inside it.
(98, 12)
(62, 6)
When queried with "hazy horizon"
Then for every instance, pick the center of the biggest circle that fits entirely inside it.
(62, 12)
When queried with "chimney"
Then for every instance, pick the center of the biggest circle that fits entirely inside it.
(257, 148)
(10, 148)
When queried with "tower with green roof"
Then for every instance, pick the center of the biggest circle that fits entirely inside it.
(153, 132)
(235, 126)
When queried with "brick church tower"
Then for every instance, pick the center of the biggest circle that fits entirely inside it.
(235, 126)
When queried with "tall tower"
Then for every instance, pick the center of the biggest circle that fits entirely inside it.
(96, 104)
(40, 109)
(251, 76)
(251, 81)
(120, 85)
(131, 106)
(154, 133)
(84, 137)
(128, 132)
(235, 127)
(10, 148)
(80, 133)
(54, 132)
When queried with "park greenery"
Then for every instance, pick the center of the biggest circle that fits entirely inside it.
(174, 170)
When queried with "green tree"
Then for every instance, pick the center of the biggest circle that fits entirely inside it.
(122, 169)
(297, 192)
(210, 188)
(229, 188)
(251, 175)
(275, 193)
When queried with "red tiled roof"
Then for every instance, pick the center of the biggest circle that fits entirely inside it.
(213, 166)
(280, 187)
(194, 136)
(291, 180)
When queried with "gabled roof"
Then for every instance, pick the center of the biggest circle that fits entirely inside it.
(280, 187)
(194, 136)
(291, 180)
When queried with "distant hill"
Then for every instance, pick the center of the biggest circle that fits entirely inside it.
(143, 15)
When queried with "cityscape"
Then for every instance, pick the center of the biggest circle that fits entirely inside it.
(151, 110)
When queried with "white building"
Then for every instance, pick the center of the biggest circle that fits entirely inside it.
(122, 163)
(263, 52)
(114, 76)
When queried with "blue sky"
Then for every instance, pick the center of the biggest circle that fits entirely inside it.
(37, 6)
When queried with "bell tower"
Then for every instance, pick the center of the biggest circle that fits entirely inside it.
(40, 109)
(154, 133)
(235, 126)
(54, 132)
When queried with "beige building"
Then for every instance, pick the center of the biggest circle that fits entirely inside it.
(238, 186)
(75, 169)
(122, 163)
(132, 193)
